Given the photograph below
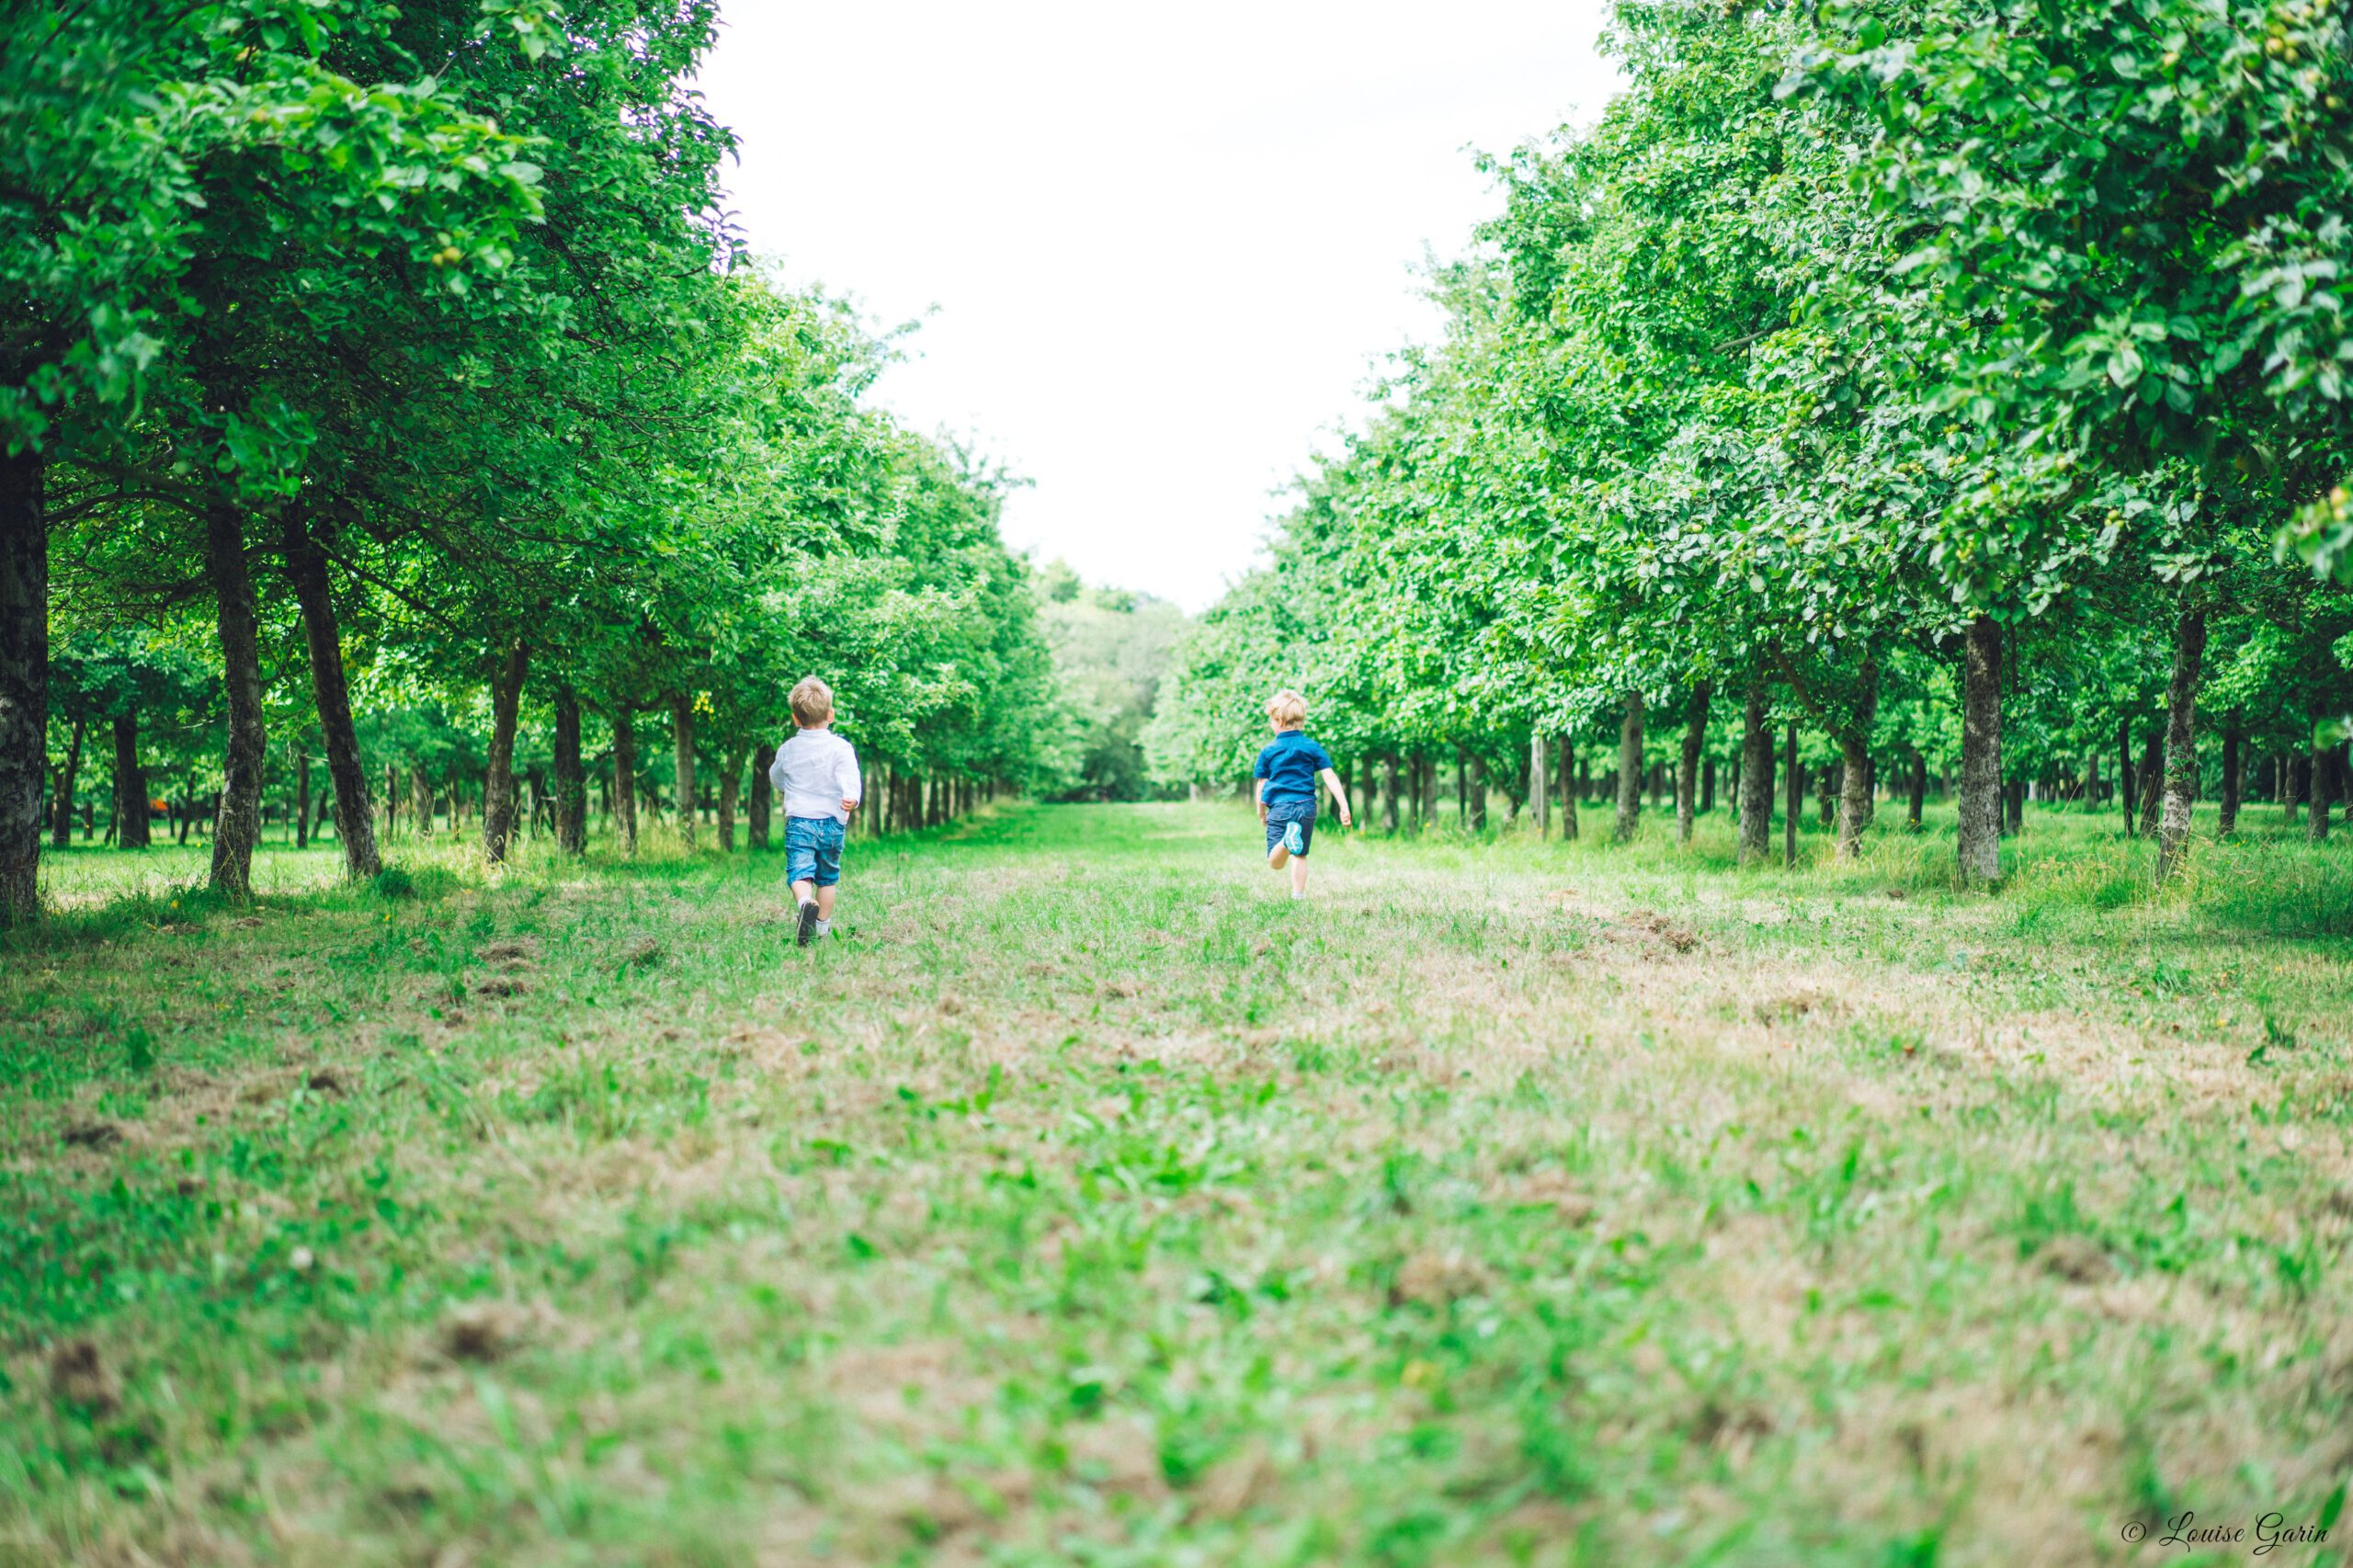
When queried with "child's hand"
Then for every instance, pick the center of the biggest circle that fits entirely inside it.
(850, 807)
(1345, 821)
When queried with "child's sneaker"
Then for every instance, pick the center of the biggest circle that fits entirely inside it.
(1292, 839)
(808, 933)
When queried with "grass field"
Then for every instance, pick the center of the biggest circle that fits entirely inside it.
(1090, 1203)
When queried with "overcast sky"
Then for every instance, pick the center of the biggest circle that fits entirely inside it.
(1157, 253)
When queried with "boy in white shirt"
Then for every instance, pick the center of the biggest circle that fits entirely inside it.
(816, 772)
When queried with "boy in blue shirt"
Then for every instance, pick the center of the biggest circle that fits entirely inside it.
(1288, 772)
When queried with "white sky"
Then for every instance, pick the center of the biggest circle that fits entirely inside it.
(1166, 248)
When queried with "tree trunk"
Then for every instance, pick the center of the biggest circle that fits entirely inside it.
(1478, 799)
(130, 786)
(1855, 792)
(498, 776)
(24, 683)
(2181, 741)
(60, 819)
(1686, 771)
(571, 777)
(238, 827)
(682, 726)
(2151, 781)
(1539, 789)
(1980, 753)
(1707, 785)
(1795, 808)
(1755, 784)
(1919, 798)
(421, 804)
(302, 799)
(1389, 793)
(2320, 794)
(764, 797)
(354, 821)
(1826, 793)
(625, 779)
(2125, 795)
(1629, 770)
(731, 788)
(1568, 790)
(391, 798)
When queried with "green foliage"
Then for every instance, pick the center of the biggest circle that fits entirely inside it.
(447, 291)
(1111, 650)
(1839, 331)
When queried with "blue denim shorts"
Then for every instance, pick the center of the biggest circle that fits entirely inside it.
(813, 850)
(1280, 813)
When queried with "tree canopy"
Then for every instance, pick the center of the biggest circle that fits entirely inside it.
(401, 364)
(1959, 383)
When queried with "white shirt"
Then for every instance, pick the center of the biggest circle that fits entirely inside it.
(815, 771)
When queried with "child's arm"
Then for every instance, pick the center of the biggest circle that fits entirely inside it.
(851, 783)
(1260, 791)
(1340, 795)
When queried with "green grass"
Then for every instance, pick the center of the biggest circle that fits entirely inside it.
(1090, 1203)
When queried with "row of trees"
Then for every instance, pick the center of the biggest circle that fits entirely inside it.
(1959, 383)
(364, 360)
(1112, 648)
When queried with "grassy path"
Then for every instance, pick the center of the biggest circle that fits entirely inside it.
(1092, 1204)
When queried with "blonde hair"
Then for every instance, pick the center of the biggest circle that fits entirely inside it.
(1288, 709)
(812, 702)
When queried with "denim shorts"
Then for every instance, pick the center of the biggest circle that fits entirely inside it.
(813, 850)
(1280, 813)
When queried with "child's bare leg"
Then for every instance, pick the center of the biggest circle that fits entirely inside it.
(825, 902)
(804, 890)
(1279, 857)
(1298, 878)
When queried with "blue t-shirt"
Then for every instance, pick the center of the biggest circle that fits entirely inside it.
(1290, 765)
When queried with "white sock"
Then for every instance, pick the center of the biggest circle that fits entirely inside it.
(825, 927)
(1299, 892)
